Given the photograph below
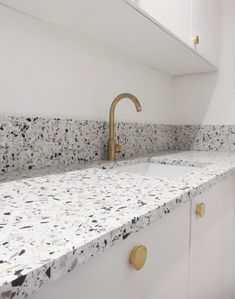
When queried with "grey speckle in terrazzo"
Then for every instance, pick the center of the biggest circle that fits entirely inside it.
(53, 223)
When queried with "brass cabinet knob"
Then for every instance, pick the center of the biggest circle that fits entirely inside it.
(196, 40)
(138, 257)
(200, 209)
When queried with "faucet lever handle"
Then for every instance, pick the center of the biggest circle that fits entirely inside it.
(119, 146)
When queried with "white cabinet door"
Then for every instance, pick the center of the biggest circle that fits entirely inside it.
(109, 275)
(212, 254)
(175, 15)
(206, 23)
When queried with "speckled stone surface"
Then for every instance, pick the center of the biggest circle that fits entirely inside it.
(51, 224)
(205, 138)
(32, 143)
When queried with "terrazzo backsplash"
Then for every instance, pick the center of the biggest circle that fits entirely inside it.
(205, 138)
(32, 143)
(27, 143)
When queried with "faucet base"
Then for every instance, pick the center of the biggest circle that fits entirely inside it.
(111, 150)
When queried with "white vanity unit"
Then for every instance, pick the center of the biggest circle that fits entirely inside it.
(110, 275)
(189, 250)
(101, 221)
(212, 246)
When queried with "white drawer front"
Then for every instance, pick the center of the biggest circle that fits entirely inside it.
(109, 275)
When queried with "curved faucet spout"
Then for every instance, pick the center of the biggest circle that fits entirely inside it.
(114, 148)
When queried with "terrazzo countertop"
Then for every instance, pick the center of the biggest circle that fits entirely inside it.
(52, 223)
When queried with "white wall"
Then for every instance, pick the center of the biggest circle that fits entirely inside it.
(47, 72)
(210, 98)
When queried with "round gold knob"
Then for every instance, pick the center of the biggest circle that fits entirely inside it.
(138, 257)
(196, 40)
(200, 209)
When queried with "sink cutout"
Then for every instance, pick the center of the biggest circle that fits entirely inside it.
(156, 169)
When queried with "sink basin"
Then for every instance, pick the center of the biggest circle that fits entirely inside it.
(156, 169)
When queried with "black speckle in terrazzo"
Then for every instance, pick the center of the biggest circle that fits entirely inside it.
(18, 272)
(22, 252)
(18, 281)
(125, 236)
(27, 226)
(48, 272)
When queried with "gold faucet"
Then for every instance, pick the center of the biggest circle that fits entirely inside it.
(114, 147)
